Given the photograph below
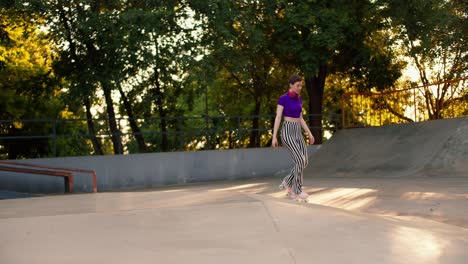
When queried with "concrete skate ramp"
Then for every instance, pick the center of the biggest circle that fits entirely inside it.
(434, 148)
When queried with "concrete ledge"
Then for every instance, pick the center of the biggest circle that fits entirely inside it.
(155, 169)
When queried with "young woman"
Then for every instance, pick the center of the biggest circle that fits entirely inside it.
(290, 107)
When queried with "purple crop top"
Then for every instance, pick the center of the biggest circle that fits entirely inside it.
(292, 105)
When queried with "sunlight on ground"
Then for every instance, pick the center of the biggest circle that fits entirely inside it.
(279, 194)
(239, 187)
(282, 193)
(422, 195)
(171, 191)
(345, 198)
(419, 245)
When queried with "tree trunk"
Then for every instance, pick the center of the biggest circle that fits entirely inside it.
(133, 124)
(116, 139)
(91, 130)
(162, 114)
(315, 86)
(159, 100)
(89, 117)
(255, 134)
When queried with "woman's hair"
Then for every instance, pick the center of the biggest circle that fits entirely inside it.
(294, 79)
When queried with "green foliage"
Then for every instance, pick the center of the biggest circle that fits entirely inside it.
(165, 61)
(28, 87)
(434, 35)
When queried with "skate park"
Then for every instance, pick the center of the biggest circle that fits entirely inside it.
(179, 132)
(389, 194)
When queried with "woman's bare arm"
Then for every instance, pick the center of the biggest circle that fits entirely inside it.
(279, 115)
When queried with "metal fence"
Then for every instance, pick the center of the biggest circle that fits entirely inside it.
(427, 102)
(70, 137)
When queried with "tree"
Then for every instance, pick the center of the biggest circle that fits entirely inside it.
(158, 64)
(29, 89)
(72, 27)
(327, 37)
(433, 34)
(238, 39)
(109, 46)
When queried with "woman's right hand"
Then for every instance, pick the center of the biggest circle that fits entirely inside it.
(279, 114)
(274, 142)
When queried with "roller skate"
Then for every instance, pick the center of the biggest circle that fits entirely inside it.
(302, 197)
(283, 185)
(290, 194)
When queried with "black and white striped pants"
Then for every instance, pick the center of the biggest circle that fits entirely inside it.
(292, 138)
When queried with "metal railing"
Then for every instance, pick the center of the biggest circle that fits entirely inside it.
(426, 102)
(181, 134)
(66, 173)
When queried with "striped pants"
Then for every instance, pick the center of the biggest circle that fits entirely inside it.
(292, 138)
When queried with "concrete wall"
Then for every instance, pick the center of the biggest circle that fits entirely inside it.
(156, 169)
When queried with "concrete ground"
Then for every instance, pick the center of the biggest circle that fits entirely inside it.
(347, 220)
(392, 194)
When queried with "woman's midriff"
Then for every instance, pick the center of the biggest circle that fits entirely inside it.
(291, 119)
